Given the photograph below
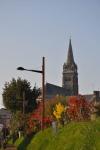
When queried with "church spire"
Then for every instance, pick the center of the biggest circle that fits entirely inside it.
(70, 75)
(70, 58)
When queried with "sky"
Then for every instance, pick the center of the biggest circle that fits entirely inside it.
(31, 29)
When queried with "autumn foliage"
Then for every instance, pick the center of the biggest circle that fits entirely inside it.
(36, 118)
(78, 108)
(59, 111)
(75, 108)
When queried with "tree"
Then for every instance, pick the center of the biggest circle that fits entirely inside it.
(19, 96)
(18, 122)
(49, 105)
(78, 108)
(35, 118)
(59, 111)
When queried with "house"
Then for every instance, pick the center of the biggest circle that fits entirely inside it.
(5, 116)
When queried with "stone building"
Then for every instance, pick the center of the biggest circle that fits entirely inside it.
(69, 78)
(70, 75)
(69, 81)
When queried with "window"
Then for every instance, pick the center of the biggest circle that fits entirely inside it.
(68, 79)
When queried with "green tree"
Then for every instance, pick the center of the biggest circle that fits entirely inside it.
(19, 122)
(18, 94)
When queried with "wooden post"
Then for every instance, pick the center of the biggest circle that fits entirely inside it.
(43, 92)
(23, 102)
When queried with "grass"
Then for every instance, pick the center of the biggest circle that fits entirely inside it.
(74, 136)
(23, 142)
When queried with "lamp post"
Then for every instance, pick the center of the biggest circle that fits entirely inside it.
(43, 87)
(24, 102)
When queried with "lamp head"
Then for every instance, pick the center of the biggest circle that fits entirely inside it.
(20, 68)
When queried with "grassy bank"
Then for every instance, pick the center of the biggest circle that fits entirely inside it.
(74, 136)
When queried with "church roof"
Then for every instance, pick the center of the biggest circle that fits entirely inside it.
(52, 90)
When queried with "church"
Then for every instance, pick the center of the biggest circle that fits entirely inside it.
(69, 78)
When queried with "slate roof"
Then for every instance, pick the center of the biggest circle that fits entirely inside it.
(52, 90)
(89, 97)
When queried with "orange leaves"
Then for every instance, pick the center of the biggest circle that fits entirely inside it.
(36, 118)
(78, 108)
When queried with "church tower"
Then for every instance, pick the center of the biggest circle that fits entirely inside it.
(70, 75)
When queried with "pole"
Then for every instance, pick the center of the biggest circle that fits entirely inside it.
(23, 102)
(43, 89)
(43, 92)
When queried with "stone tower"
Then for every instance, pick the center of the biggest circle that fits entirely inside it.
(70, 75)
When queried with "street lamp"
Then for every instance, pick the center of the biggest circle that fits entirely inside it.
(43, 86)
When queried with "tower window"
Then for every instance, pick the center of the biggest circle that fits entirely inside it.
(68, 79)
